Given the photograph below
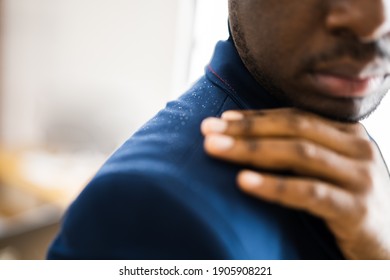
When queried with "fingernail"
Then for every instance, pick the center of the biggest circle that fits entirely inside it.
(214, 125)
(251, 179)
(220, 142)
(232, 116)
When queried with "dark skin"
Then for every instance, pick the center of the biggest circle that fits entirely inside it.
(328, 60)
(291, 47)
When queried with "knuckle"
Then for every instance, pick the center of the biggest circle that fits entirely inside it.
(367, 149)
(317, 192)
(366, 176)
(304, 150)
(252, 145)
(250, 152)
(296, 121)
(321, 197)
(247, 126)
(299, 124)
(350, 128)
(359, 130)
(281, 186)
(316, 195)
(360, 208)
(260, 113)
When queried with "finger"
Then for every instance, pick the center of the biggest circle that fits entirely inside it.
(355, 128)
(278, 125)
(319, 198)
(289, 112)
(301, 157)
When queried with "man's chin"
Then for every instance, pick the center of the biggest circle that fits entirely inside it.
(346, 115)
(342, 110)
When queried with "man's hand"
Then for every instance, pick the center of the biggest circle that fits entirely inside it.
(340, 175)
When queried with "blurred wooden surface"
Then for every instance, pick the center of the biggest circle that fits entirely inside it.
(31, 245)
(36, 187)
(12, 174)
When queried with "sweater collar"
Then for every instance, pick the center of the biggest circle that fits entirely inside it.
(228, 71)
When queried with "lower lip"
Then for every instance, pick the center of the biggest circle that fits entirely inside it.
(342, 87)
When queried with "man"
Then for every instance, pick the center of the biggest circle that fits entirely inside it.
(284, 94)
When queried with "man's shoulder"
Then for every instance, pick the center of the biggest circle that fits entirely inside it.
(144, 189)
(173, 135)
(157, 161)
(137, 215)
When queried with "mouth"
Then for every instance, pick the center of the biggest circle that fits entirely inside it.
(344, 85)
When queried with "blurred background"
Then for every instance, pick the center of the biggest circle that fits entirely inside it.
(77, 78)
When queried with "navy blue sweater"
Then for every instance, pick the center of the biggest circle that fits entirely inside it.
(160, 196)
